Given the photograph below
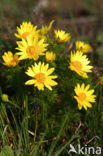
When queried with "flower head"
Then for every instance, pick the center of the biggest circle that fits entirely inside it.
(44, 29)
(61, 36)
(10, 60)
(84, 96)
(50, 57)
(26, 29)
(79, 64)
(31, 48)
(41, 76)
(81, 46)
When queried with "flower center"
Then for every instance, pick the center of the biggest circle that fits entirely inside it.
(40, 77)
(77, 65)
(31, 51)
(25, 34)
(82, 97)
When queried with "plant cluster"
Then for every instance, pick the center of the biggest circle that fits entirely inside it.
(44, 79)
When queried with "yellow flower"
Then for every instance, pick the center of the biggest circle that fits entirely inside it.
(83, 47)
(31, 48)
(44, 29)
(61, 36)
(79, 64)
(50, 57)
(41, 76)
(10, 60)
(26, 29)
(84, 96)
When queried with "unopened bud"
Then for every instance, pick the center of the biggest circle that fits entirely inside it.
(4, 98)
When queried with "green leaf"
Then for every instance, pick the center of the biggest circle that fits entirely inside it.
(6, 151)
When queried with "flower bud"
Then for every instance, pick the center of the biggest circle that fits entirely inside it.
(4, 98)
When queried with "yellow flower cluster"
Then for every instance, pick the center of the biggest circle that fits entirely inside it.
(80, 64)
(33, 44)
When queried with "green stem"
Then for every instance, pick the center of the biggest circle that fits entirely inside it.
(96, 85)
(36, 124)
(14, 104)
(43, 113)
